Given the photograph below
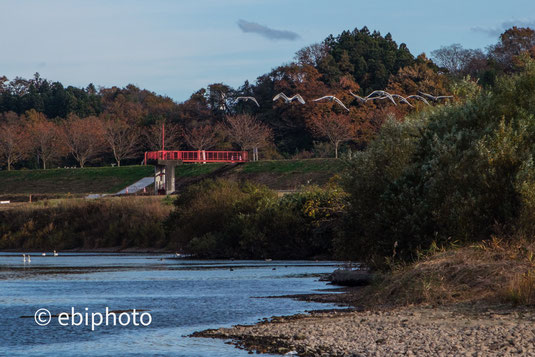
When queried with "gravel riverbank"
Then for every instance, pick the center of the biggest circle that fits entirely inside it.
(409, 331)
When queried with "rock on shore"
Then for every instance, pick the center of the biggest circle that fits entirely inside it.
(406, 331)
(350, 277)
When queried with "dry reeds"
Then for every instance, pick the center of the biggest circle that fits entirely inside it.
(78, 223)
(496, 271)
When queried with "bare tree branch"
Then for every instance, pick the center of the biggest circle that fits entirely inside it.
(335, 127)
(83, 137)
(121, 138)
(249, 133)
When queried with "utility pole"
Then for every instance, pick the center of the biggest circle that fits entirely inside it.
(163, 136)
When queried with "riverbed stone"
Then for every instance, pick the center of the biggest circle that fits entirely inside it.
(409, 331)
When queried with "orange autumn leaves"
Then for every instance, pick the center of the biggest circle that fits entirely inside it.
(33, 135)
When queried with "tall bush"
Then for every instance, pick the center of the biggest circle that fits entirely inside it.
(468, 174)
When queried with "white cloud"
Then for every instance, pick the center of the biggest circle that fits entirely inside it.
(495, 31)
(267, 32)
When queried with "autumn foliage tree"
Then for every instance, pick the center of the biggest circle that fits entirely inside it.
(422, 76)
(513, 43)
(288, 120)
(248, 133)
(121, 138)
(202, 137)
(14, 140)
(83, 137)
(336, 128)
(45, 139)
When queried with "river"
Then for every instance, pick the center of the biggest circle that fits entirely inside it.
(181, 296)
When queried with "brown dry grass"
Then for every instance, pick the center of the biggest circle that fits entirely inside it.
(522, 289)
(493, 271)
(123, 222)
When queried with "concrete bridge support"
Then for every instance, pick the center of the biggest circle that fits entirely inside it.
(164, 176)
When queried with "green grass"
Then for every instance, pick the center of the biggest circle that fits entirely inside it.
(86, 180)
(271, 166)
(192, 170)
(293, 166)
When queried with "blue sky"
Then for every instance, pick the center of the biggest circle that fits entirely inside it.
(176, 47)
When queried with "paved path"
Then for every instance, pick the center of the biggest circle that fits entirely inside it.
(138, 186)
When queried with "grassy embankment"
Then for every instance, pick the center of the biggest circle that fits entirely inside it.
(61, 182)
(283, 175)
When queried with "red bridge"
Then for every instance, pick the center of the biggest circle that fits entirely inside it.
(197, 156)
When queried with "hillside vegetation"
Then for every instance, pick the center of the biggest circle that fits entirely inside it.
(282, 175)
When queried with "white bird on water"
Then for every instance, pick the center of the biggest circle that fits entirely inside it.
(247, 99)
(55, 253)
(29, 259)
(332, 98)
(44, 254)
(24, 258)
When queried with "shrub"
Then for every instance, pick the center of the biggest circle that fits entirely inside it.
(70, 224)
(226, 219)
(457, 172)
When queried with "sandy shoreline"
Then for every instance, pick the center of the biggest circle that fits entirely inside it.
(466, 330)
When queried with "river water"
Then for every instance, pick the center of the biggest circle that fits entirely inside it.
(181, 296)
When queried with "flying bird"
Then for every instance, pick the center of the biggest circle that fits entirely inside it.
(402, 99)
(289, 99)
(281, 95)
(298, 98)
(389, 97)
(359, 98)
(435, 98)
(419, 98)
(381, 95)
(247, 99)
(332, 98)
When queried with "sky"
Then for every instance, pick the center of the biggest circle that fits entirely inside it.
(174, 47)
